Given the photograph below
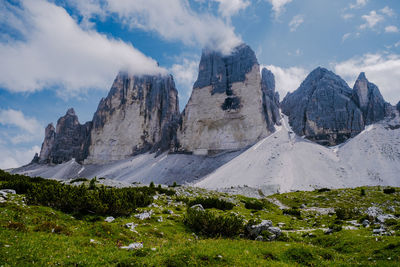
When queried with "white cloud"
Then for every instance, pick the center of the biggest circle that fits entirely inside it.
(358, 4)
(391, 29)
(278, 6)
(371, 19)
(18, 119)
(387, 11)
(13, 158)
(287, 79)
(347, 16)
(346, 36)
(228, 8)
(383, 70)
(185, 74)
(55, 50)
(296, 22)
(175, 20)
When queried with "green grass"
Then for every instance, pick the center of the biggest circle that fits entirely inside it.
(43, 236)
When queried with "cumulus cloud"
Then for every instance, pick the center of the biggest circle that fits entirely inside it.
(55, 51)
(278, 6)
(358, 4)
(387, 11)
(346, 36)
(185, 74)
(391, 29)
(383, 70)
(13, 158)
(296, 22)
(228, 8)
(371, 19)
(287, 79)
(175, 20)
(18, 119)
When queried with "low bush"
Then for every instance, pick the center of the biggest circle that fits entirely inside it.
(209, 223)
(389, 190)
(78, 180)
(18, 226)
(300, 255)
(293, 212)
(346, 213)
(81, 199)
(212, 202)
(253, 204)
(323, 190)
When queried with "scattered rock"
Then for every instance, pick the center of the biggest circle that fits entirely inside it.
(144, 215)
(131, 226)
(197, 207)
(133, 246)
(95, 241)
(160, 219)
(8, 191)
(366, 223)
(109, 219)
(257, 230)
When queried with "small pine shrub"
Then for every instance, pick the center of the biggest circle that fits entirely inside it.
(362, 193)
(152, 185)
(321, 190)
(253, 204)
(212, 202)
(293, 212)
(78, 180)
(208, 223)
(18, 226)
(300, 255)
(346, 213)
(389, 190)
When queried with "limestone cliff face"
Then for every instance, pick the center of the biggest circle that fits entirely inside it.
(139, 114)
(369, 99)
(270, 99)
(47, 145)
(225, 110)
(322, 109)
(69, 140)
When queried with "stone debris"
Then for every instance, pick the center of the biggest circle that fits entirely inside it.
(109, 219)
(144, 215)
(131, 226)
(133, 246)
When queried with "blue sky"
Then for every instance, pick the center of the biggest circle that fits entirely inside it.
(66, 53)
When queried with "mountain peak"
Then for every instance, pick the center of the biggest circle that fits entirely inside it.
(71, 112)
(362, 76)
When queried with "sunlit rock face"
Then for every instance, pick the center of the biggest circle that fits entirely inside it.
(369, 99)
(140, 113)
(69, 140)
(225, 110)
(322, 109)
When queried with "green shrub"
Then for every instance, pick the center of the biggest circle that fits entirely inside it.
(346, 213)
(389, 190)
(362, 193)
(293, 212)
(323, 190)
(81, 199)
(18, 226)
(208, 223)
(212, 202)
(151, 184)
(253, 204)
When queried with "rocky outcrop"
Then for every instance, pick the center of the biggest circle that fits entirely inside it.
(270, 99)
(322, 109)
(398, 106)
(140, 113)
(369, 99)
(69, 140)
(47, 145)
(225, 110)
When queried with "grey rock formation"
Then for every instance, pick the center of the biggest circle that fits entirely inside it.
(225, 110)
(140, 113)
(69, 140)
(322, 109)
(398, 106)
(270, 99)
(47, 145)
(369, 99)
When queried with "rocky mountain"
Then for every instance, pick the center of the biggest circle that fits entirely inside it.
(270, 99)
(369, 99)
(225, 110)
(140, 114)
(398, 106)
(322, 109)
(69, 140)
